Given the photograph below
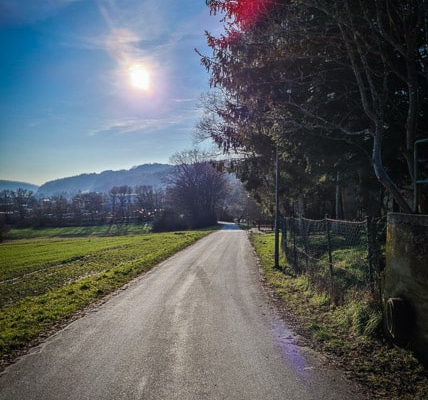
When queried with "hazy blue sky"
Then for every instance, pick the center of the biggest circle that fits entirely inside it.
(67, 104)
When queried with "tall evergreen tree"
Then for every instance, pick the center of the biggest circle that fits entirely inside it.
(333, 84)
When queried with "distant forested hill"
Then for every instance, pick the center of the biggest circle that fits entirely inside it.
(15, 185)
(146, 174)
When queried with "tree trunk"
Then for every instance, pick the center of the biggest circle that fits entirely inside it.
(384, 178)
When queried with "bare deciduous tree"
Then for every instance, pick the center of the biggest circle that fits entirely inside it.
(195, 188)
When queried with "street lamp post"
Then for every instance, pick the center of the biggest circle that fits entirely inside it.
(276, 226)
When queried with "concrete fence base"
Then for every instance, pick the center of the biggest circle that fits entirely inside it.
(405, 290)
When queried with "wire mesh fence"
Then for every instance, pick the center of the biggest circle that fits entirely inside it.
(336, 255)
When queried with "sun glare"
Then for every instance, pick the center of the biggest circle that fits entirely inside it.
(139, 77)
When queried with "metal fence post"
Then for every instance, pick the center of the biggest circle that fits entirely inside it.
(296, 266)
(283, 234)
(303, 225)
(330, 257)
(369, 251)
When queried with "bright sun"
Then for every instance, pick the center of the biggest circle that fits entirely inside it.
(139, 77)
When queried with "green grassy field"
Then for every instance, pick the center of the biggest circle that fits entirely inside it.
(48, 277)
(79, 231)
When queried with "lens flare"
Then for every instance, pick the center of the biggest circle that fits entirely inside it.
(249, 12)
(139, 77)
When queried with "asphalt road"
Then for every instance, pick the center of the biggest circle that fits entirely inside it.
(198, 326)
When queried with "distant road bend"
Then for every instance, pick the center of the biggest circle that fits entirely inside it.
(198, 326)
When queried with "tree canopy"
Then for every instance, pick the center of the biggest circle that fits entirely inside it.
(337, 86)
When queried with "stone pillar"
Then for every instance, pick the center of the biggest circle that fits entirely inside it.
(406, 280)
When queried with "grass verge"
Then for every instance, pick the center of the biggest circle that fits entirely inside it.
(350, 334)
(62, 276)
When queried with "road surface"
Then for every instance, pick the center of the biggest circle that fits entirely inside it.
(198, 326)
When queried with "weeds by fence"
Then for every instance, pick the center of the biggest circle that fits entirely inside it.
(340, 257)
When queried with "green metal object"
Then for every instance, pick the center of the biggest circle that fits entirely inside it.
(417, 179)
